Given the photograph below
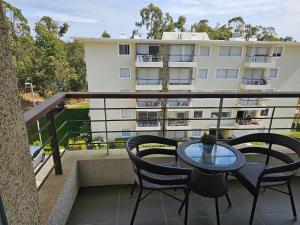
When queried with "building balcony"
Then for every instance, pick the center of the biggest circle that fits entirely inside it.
(149, 61)
(179, 104)
(259, 62)
(148, 125)
(178, 124)
(255, 84)
(181, 84)
(182, 61)
(148, 85)
(250, 102)
(148, 105)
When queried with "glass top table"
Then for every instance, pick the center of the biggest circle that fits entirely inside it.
(223, 157)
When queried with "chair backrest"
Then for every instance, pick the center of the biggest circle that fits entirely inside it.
(146, 171)
(288, 169)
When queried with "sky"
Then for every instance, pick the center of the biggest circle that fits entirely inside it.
(88, 18)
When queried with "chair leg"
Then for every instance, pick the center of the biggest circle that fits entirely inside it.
(133, 188)
(217, 211)
(292, 199)
(186, 207)
(228, 200)
(253, 208)
(136, 206)
(183, 203)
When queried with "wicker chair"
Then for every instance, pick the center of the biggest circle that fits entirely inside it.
(159, 177)
(255, 176)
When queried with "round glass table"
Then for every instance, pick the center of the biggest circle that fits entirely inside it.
(223, 157)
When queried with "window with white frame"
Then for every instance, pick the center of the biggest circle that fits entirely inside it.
(273, 73)
(230, 51)
(202, 74)
(124, 73)
(198, 114)
(125, 113)
(126, 132)
(124, 49)
(277, 51)
(196, 133)
(224, 114)
(227, 74)
(204, 51)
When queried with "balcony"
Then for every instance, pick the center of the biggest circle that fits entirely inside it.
(250, 102)
(255, 84)
(182, 61)
(148, 125)
(263, 61)
(179, 104)
(80, 186)
(148, 85)
(148, 105)
(181, 84)
(149, 61)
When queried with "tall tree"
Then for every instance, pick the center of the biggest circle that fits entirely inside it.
(180, 24)
(237, 26)
(53, 68)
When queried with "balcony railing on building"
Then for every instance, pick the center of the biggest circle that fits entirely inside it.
(182, 61)
(148, 84)
(250, 101)
(259, 61)
(255, 83)
(149, 61)
(148, 105)
(148, 123)
(181, 84)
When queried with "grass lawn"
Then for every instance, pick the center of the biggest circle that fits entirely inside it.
(67, 115)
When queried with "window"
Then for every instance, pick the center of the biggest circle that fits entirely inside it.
(124, 50)
(226, 114)
(204, 51)
(202, 74)
(198, 114)
(180, 76)
(195, 133)
(257, 51)
(147, 76)
(264, 112)
(153, 49)
(230, 51)
(277, 51)
(147, 49)
(273, 73)
(126, 133)
(125, 113)
(124, 73)
(227, 74)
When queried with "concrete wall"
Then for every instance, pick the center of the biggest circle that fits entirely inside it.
(17, 183)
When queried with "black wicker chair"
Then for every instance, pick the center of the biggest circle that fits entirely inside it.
(255, 176)
(159, 177)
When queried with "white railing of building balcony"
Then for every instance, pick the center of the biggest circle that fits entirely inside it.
(178, 122)
(148, 81)
(252, 81)
(259, 58)
(182, 58)
(179, 103)
(180, 81)
(148, 122)
(148, 58)
(148, 103)
(249, 101)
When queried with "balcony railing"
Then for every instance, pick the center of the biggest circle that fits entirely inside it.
(179, 103)
(148, 58)
(250, 81)
(148, 122)
(249, 101)
(259, 58)
(148, 82)
(60, 129)
(182, 58)
(180, 81)
(150, 104)
(249, 121)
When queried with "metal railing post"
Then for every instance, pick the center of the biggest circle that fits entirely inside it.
(106, 133)
(219, 118)
(54, 143)
(271, 121)
(164, 104)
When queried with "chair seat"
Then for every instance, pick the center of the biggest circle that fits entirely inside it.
(248, 175)
(149, 185)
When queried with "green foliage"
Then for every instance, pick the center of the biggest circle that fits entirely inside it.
(48, 62)
(105, 34)
(208, 139)
(156, 22)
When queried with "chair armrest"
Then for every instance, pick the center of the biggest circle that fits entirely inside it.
(281, 169)
(146, 139)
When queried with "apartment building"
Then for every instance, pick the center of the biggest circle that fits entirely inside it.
(190, 62)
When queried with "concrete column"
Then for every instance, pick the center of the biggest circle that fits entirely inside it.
(17, 183)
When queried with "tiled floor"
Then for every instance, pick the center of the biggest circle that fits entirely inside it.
(112, 205)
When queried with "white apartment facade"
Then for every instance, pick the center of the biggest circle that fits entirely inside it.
(190, 62)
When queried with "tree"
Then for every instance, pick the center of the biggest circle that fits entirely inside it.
(52, 67)
(237, 26)
(105, 34)
(180, 24)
